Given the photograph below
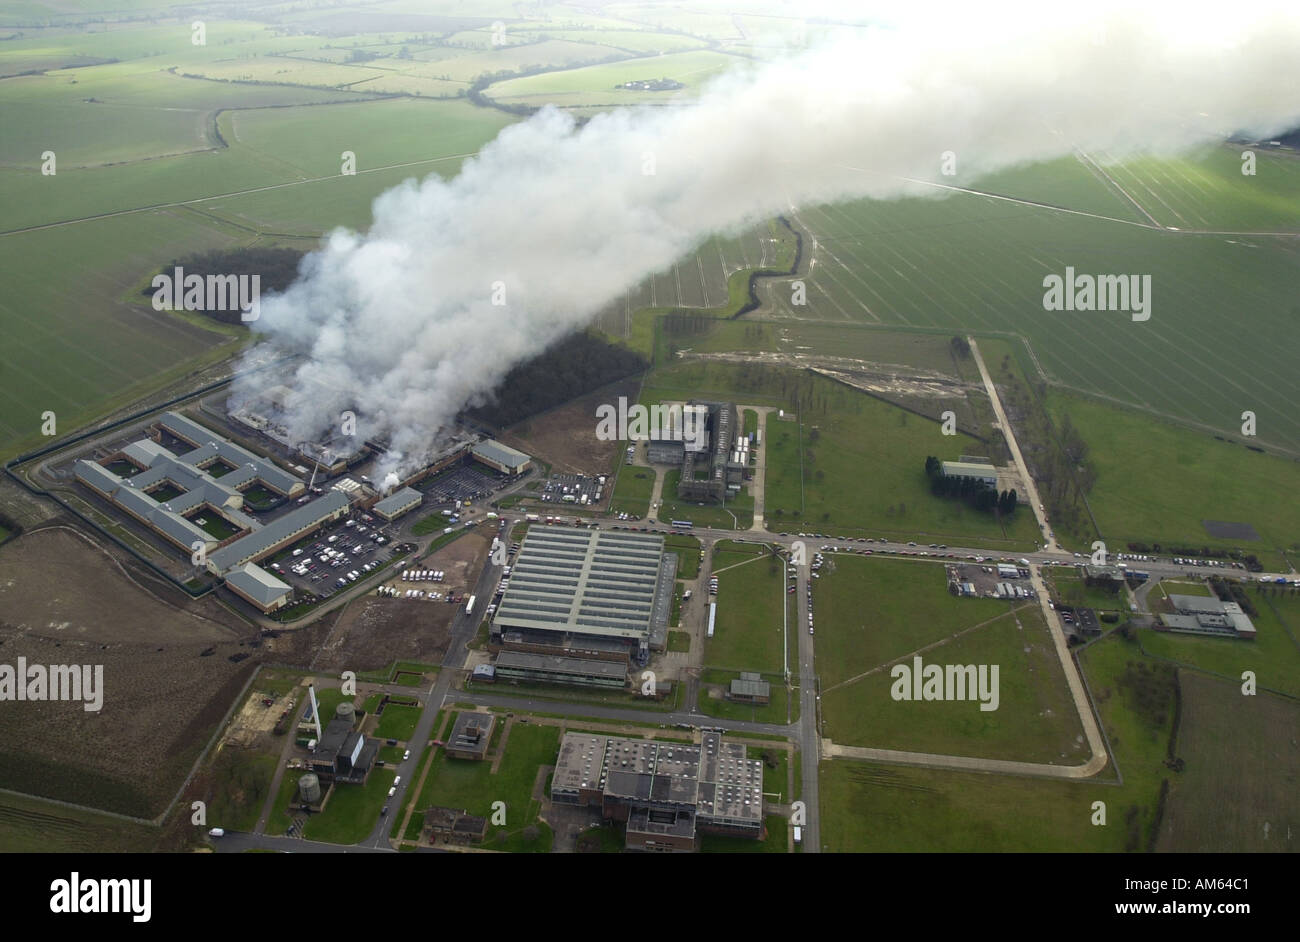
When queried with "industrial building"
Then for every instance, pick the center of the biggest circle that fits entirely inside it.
(398, 503)
(501, 457)
(980, 471)
(1207, 616)
(449, 826)
(343, 754)
(750, 688)
(667, 794)
(470, 736)
(580, 592)
(258, 587)
(557, 669)
(713, 461)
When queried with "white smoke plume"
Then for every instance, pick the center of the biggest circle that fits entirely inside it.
(400, 325)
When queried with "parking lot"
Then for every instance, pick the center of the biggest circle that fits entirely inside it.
(337, 557)
(464, 483)
(580, 490)
(985, 579)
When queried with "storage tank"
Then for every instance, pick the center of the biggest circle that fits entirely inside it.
(345, 711)
(309, 788)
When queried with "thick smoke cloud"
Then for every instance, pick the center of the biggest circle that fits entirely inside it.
(400, 325)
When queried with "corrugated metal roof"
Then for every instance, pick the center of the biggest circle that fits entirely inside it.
(257, 583)
(502, 454)
(297, 520)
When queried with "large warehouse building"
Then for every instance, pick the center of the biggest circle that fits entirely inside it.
(667, 793)
(574, 589)
(501, 457)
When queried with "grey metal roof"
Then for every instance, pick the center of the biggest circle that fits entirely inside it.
(256, 583)
(523, 660)
(399, 501)
(493, 450)
(595, 582)
(208, 444)
(295, 521)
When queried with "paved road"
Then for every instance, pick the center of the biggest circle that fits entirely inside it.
(1031, 489)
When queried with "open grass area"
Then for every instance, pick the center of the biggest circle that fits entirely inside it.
(30, 826)
(870, 611)
(456, 783)
(1201, 479)
(816, 466)
(593, 86)
(351, 811)
(687, 549)
(1070, 589)
(1240, 797)
(736, 514)
(893, 808)
(1034, 719)
(748, 626)
(679, 641)
(398, 722)
(241, 782)
(632, 490)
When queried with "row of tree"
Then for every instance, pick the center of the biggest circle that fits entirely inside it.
(974, 493)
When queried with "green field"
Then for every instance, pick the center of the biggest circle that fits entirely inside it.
(871, 611)
(748, 626)
(772, 712)
(398, 722)
(736, 514)
(816, 466)
(1240, 797)
(351, 810)
(1035, 720)
(899, 809)
(1071, 590)
(687, 549)
(28, 825)
(1198, 479)
(632, 490)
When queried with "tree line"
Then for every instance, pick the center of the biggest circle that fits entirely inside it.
(974, 493)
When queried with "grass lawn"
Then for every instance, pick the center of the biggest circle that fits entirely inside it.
(456, 783)
(772, 712)
(775, 777)
(1035, 720)
(871, 611)
(1242, 797)
(748, 630)
(1071, 590)
(632, 490)
(816, 467)
(679, 641)
(328, 698)
(351, 811)
(687, 549)
(1202, 479)
(215, 525)
(398, 722)
(871, 807)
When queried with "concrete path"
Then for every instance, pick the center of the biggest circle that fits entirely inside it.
(964, 763)
(1031, 490)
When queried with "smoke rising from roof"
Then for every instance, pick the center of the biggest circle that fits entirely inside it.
(556, 221)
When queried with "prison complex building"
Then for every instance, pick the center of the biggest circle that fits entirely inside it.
(571, 588)
(398, 503)
(501, 457)
(279, 533)
(258, 587)
(667, 794)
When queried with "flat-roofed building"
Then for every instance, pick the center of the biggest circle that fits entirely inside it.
(976, 471)
(398, 503)
(503, 458)
(750, 688)
(449, 826)
(470, 735)
(557, 669)
(1197, 614)
(666, 793)
(569, 582)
